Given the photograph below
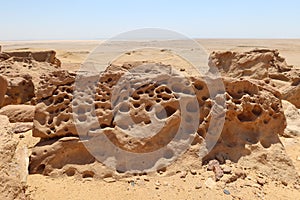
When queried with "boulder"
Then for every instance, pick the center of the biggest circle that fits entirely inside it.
(18, 113)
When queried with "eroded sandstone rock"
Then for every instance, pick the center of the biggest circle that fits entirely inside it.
(22, 71)
(261, 64)
(11, 186)
(252, 111)
(19, 91)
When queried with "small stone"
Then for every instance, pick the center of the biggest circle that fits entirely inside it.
(211, 164)
(240, 173)
(198, 186)
(109, 180)
(226, 192)
(215, 167)
(284, 183)
(261, 181)
(210, 183)
(193, 172)
(227, 170)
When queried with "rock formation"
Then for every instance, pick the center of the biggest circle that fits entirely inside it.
(253, 115)
(263, 64)
(22, 71)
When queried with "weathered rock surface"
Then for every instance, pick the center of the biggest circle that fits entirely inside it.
(18, 113)
(253, 114)
(22, 71)
(11, 185)
(66, 156)
(19, 91)
(3, 88)
(261, 64)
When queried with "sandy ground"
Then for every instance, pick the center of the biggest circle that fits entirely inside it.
(72, 54)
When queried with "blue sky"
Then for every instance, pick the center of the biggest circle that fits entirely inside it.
(92, 19)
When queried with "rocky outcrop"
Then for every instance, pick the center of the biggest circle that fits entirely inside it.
(261, 64)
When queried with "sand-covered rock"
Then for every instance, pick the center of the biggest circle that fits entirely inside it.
(18, 113)
(11, 185)
(261, 64)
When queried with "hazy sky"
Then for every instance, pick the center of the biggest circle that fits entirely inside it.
(95, 19)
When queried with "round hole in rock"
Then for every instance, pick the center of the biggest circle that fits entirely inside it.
(136, 105)
(50, 121)
(168, 91)
(88, 174)
(140, 92)
(148, 108)
(165, 98)
(82, 118)
(136, 97)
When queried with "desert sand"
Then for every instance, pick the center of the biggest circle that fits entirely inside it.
(266, 114)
